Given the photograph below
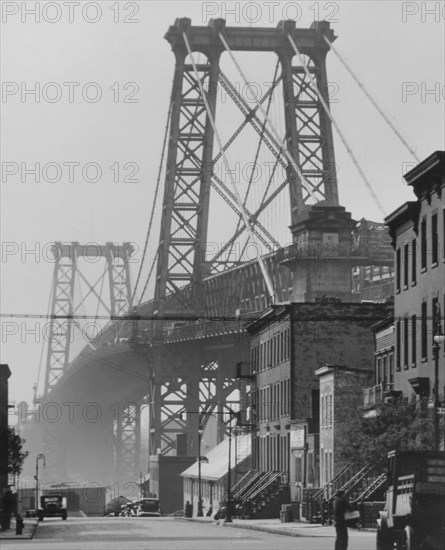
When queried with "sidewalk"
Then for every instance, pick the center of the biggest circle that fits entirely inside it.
(28, 530)
(293, 529)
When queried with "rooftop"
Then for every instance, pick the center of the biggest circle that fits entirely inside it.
(218, 458)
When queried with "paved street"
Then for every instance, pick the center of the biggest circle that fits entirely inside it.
(167, 533)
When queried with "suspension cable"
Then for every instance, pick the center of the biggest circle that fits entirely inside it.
(263, 269)
(153, 206)
(311, 79)
(155, 257)
(272, 126)
(371, 99)
(43, 343)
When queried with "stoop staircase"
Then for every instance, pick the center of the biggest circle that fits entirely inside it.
(359, 484)
(260, 495)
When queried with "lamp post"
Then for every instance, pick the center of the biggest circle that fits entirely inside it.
(205, 459)
(229, 481)
(200, 432)
(40, 456)
(439, 338)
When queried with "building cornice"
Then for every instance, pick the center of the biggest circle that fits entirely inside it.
(428, 176)
(405, 213)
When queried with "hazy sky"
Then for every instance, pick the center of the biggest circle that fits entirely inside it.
(114, 112)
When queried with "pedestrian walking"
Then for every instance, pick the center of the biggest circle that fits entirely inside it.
(341, 506)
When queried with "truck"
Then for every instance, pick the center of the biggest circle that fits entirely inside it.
(414, 513)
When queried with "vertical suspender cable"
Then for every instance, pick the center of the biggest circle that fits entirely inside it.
(150, 223)
(368, 95)
(272, 127)
(263, 269)
(335, 124)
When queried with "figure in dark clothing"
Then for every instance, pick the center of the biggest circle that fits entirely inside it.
(341, 506)
(8, 507)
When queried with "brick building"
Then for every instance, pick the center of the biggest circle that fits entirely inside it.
(417, 229)
(384, 346)
(339, 385)
(288, 344)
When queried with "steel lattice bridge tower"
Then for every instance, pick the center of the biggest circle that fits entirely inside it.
(181, 269)
(176, 352)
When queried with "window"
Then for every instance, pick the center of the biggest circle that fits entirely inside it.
(298, 466)
(435, 306)
(413, 261)
(405, 265)
(424, 328)
(384, 369)
(330, 411)
(262, 356)
(434, 240)
(378, 377)
(398, 267)
(390, 379)
(405, 342)
(423, 250)
(398, 361)
(443, 233)
(413, 340)
(322, 412)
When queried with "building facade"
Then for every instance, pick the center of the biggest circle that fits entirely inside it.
(288, 344)
(339, 390)
(384, 348)
(417, 229)
(214, 472)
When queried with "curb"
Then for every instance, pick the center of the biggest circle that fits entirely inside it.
(273, 530)
(12, 536)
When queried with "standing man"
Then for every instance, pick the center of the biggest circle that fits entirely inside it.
(341, 506)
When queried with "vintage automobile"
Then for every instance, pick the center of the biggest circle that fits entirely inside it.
(142, 507)
(114, 506)
(52, 506)
(147, 507)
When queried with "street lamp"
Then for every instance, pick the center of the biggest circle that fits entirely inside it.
(229, 481)
(200, 432)
(439, 338)
(40, 456)
(205, 459)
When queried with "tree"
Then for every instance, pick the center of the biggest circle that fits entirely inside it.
(365, 436)
(16, 454)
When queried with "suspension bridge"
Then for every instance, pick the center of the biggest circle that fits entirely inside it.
(218, 251)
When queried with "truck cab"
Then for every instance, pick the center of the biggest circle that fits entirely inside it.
(414, 515)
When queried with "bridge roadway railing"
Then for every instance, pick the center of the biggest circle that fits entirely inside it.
(204, 329)
(361, 255)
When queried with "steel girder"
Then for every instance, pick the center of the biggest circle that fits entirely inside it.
(191, 378)
(127, 440)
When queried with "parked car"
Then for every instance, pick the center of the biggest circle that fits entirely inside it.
(143, 507)
(52, 506)
(114, 506)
